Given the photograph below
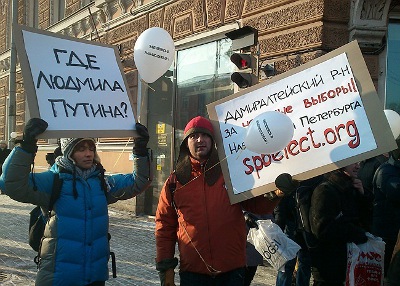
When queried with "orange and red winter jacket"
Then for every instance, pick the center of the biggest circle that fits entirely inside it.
(207, 221)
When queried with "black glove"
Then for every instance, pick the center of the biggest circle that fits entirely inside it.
(166, 270)
(33, 127)
(251, 220)
(286, 184)
(140, 143)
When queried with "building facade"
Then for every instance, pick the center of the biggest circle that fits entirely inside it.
(290, 33)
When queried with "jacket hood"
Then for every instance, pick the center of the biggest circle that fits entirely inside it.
(213, 170)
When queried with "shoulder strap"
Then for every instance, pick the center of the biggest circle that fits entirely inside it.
(56, 191)
(172, 188)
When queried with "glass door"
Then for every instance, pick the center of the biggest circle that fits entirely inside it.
(200, 76)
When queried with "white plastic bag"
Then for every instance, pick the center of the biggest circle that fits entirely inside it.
(274, 246)
(365, 262)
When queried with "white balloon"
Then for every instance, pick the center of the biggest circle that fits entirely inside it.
(394, 121)
(269, 133)
(13, 134)
(153, 53)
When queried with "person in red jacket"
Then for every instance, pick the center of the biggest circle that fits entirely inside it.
(210, 232)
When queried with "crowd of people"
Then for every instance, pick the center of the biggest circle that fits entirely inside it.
(194, 212)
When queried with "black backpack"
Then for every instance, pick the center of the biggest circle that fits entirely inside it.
(303, 203)
(37, 220)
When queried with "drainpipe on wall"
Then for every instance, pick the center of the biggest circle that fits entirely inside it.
(12, 77)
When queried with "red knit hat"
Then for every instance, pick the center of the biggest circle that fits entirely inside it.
(199, 124)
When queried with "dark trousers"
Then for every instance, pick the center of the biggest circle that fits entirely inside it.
(389, 247)
(250, 271)
(317, 283)
(231, 278)
(303, 274)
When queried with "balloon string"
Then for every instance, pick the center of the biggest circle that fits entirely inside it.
(219, 162)
(208, 266)
(146, 84)
(226, 158)
(182, 221)
(120, 154)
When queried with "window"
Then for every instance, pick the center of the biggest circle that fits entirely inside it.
(393, 67)
(58, 11)
(203, 76)
(85, 2)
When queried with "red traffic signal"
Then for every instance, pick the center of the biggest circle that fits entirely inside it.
(247, 64)
(242, 61)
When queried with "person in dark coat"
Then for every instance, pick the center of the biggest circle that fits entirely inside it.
(386, 210)
(290, 221)
(368, 168)
(51, 157)
(393, 273)
(337, 216)
(4, 151)
(287, 219)
(286, 187)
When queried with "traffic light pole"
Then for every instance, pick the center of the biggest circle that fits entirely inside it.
(11, 122)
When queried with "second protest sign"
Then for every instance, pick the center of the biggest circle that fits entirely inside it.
(330, 101)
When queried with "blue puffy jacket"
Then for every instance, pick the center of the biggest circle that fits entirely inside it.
(75, 249)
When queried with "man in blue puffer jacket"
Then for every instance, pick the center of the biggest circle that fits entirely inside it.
(75, 248)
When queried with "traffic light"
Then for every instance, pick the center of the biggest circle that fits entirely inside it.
(247, 66)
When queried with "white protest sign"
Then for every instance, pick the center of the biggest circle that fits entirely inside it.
(79, 85)
(330, 122)
(326, 109)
